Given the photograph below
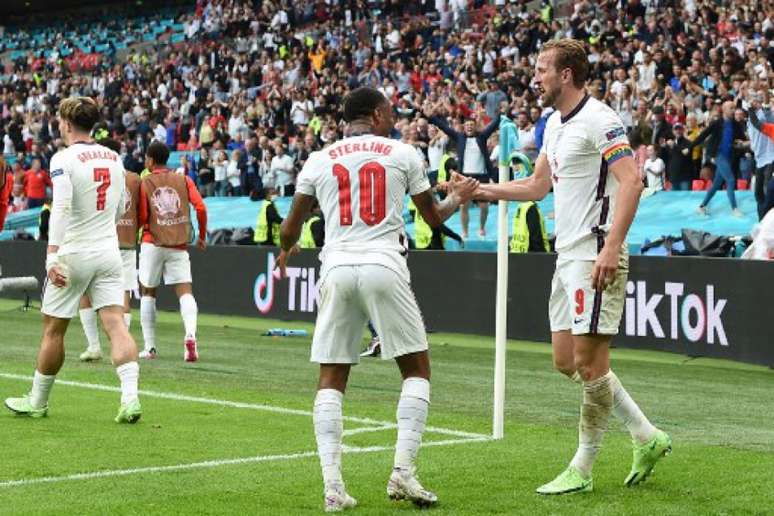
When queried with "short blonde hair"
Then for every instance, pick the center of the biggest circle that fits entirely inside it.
(82, 112)
(569, 53)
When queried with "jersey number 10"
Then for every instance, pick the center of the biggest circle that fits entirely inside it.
(373, 186)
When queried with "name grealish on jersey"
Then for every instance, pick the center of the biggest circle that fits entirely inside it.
(579, 148)
(361, 184)
(96, 190)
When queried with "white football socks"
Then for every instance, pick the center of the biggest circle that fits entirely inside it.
(189, 312)
(595, 412)
(129, 374)
(328, 429)
(128, 320)
(411, 415)
(41, 388)
(629, 413)
(89, 323)
(148, 321)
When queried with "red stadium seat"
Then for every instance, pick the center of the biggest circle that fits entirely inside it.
(742, 184)
(698, 185)
(667, 185)
(182, 147)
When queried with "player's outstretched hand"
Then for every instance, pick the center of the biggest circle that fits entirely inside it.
(201, 244)
(282, 260)
(463, 187)
(603, 272)
(57, 276)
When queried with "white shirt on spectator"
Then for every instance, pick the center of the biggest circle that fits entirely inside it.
(300, 111)
(220, 171)
(160, 133)
(235, 125)
(647, 76)
(527, 142)
(435, 153)
(473, 160)
(282, 169)
(232, 173)
(654, 170)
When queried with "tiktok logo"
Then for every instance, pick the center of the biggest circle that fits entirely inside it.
(303, 288)
(263, 290)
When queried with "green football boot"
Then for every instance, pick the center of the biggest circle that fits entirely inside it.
(23, 407)
(569, 481)
(129, 413)
(646, 456)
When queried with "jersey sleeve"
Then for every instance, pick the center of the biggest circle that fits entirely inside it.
(62, 200)
(609, 137)
(415, 172)
(305, 182)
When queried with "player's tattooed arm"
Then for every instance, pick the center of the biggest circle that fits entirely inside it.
(532, 188)
(435, 212)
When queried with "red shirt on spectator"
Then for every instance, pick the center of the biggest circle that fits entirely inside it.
(35, 183)
(416, 80)
(5, 197)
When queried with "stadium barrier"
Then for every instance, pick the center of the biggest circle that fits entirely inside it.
(695, 306)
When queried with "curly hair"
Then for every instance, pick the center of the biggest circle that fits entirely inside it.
(82, 112)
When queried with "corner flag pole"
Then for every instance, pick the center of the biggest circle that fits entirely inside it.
(509, 142)
(501, 309)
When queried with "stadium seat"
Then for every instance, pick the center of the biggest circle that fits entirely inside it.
(742, 184)
(698, 185)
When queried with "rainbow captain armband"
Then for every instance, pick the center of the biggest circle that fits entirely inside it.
(617, 152)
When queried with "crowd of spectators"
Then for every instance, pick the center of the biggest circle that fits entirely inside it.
(257, 85)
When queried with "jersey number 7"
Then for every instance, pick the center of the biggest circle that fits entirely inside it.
(101, 175)
(373, 185)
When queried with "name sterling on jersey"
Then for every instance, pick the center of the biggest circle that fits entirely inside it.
(349, 148)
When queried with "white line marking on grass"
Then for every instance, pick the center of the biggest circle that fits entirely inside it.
(368, 429)
(214, 464)
(241, 405)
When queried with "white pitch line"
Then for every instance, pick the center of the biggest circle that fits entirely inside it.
(213, 464)
(368, 429)
(242, 405)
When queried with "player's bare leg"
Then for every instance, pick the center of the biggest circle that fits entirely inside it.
(412, 416)
(189, 312)
(328, 430)
(89, 322)
(123, 353)
(563, 351)
(50, 359)
(127, 309)
(483, 208)
(148, 322)
(465, 219)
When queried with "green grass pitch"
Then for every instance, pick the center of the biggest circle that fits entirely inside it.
(232, 434)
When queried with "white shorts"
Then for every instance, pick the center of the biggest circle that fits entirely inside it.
(129, 258)
(174, 264)
(574, 305)
(98, 275)
(350, 295)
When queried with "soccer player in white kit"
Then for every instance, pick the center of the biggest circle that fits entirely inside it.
(360, 183)
(587, 157)
(83, 258)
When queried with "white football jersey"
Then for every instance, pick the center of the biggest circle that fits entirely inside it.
(361, 184)
(97, 177)
(579, 148)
